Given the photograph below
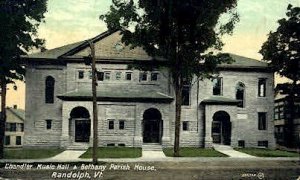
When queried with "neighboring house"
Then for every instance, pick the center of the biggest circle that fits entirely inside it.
(14, 127)
(136, 107)
(281, 115)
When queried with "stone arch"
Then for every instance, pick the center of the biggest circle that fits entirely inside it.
(152, 126)
(80, 124)
(221, 128)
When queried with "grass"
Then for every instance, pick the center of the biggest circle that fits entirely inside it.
(267, 152)
(30, 153)
(114, 152)
(194, 152)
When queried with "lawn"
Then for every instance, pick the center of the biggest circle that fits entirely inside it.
(267, 152)
(194, 152)
(30, 153)
(114, 152)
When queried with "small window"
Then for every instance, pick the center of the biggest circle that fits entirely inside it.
(7, 140)
(111, 124)
(128, 76)
(49, 90)
(90, 74)
(18, 140)
(185, 125)
(154, 76)
(186, 95)
(143, 76)
(7, 127)
(110, 145)
(100, 76)
(241, 143)
(106, 75)
(262, 144)
(80, 74)
(261, 87)
(48, 124)
(262, 121)
(121, 145)
(217, 86)
(118, 75)
(13, 127)
(121, 124)
(20, 127)
(240, 94)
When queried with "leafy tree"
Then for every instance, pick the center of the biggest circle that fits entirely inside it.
(19, 21)
(282, 51)
(180, 31)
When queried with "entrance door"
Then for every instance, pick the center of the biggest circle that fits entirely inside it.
(82, 130)
(217, 131)
(151, 131)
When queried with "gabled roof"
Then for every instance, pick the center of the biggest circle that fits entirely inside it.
(77, 50)
(15, 115)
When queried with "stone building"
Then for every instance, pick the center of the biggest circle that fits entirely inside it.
(14, 127)
(136, 107)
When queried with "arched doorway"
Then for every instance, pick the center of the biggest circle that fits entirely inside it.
(81, 123)
(221, 128)
(152, 126)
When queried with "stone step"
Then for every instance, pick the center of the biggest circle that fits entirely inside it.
(152, 147)
(78, 147)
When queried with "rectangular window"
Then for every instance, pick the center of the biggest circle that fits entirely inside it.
(262, 144)
(22, 127)
(100, 76)
(90, 75)
(118, 75)
(18, 140)
(262, 121)
(128, 76)
(80, 74)
(154, 76)
(13, 127)
(48, 124)
(241, 143)
(185, 125)
(143, 76)
(106, 75)
(111, 124)
(217, 86)
(186, 95)
(262, 87)
(7, 140)
(121, 124)
(7, 127)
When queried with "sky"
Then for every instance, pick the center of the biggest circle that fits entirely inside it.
(69, 21)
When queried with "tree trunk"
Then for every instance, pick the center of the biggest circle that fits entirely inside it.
(178, 94)
(3, 116)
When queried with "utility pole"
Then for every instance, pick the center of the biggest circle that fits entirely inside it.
(92, 60)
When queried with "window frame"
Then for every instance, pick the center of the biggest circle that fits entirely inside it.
(185, 125)
(80, 74)
(219, 84)
(126, 76)
(123, 126)
(118, 76)
(242, 85)
(262, 82)
(142, 75)
(18, 140)
(111, 124)
(7, 140)
(49, 90)
(262, 121)
(154, 74)
(107, 75)
(48, 124)
(187, 89)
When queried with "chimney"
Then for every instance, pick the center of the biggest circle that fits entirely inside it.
(15, 106)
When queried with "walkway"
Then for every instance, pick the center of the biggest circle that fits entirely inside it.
(152, 151)
(228, 150)
(68, 155)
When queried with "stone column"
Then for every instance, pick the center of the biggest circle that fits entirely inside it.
(65, 138)
(208, 124)
(166, 132)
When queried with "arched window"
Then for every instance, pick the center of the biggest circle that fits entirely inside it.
(240, 93)
(49, 89)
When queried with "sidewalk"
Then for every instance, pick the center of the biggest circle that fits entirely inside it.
(229, 151)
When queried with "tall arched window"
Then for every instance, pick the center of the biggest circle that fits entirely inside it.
(240, 93)
(49, 89)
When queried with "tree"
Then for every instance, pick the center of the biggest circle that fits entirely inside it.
(282, 51)
(19, 21)
(180, 31)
